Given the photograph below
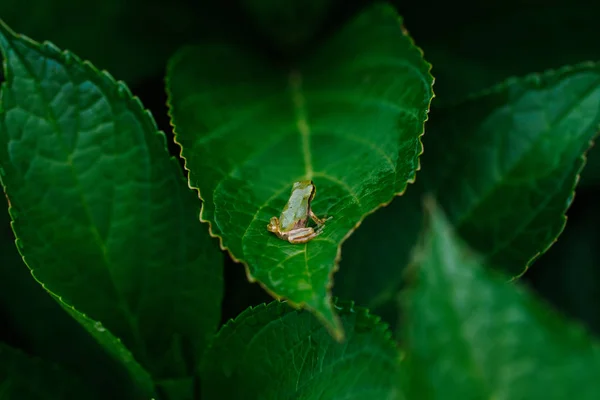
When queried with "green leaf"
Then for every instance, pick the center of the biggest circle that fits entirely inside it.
(102, 215)
(496, 156)
(504, 164)
(26, 378)
(274, 352)
(384, 242)
(36, 323)
(349, 117)
(472, 335)
(143, 385)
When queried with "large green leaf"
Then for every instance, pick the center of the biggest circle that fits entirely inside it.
(485, 46)
(26, 378)
(102, 215)
(504, 164)
(37, 324)
(274, 352)
(472, 335)
(349, 117)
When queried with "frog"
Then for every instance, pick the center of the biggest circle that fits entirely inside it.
(292, 223)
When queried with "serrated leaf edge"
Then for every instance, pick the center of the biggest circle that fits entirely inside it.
(536, 80)
(118, 88)
(336, 331)
(345, 307)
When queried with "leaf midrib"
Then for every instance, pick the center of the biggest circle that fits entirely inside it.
(301, 115)
(450, 305)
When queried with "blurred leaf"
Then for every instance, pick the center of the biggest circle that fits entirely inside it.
(472, 335)
(349, 117)
(374, 257)
(274, 352)
(289, 24)
(102, 215)
(26, 378)
(131, 39)
(43, 329)
(485, 45)
(504, 164)
(568, 275)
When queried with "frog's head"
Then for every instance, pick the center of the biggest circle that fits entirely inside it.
(303, 186)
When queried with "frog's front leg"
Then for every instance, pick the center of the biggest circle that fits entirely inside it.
(273, 225)
(318, 221)
(301, 235)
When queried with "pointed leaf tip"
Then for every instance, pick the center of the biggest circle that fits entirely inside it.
(95, 195)
(471, 334)
(349, 117)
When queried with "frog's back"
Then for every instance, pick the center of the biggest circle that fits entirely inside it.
(296, 208)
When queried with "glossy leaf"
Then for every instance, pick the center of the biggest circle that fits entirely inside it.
(26, 378)
(483, 47)
(33, 321)
(472, 335)
(504, 164)
(511, 156)
(274, 352)
(102, 215)
(349, 116)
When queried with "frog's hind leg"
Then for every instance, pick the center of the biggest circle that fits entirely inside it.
(302, 235)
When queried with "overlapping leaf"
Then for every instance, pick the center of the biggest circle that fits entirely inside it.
(101, 213)
(504, 164)
(32, 319)
(472, 335)
(273, 352)
(349, 116)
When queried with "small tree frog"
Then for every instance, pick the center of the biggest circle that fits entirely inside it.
(292, 224)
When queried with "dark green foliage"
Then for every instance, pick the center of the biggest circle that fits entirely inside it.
(440, 249)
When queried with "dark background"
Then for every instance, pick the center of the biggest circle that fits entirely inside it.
(470, 46)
